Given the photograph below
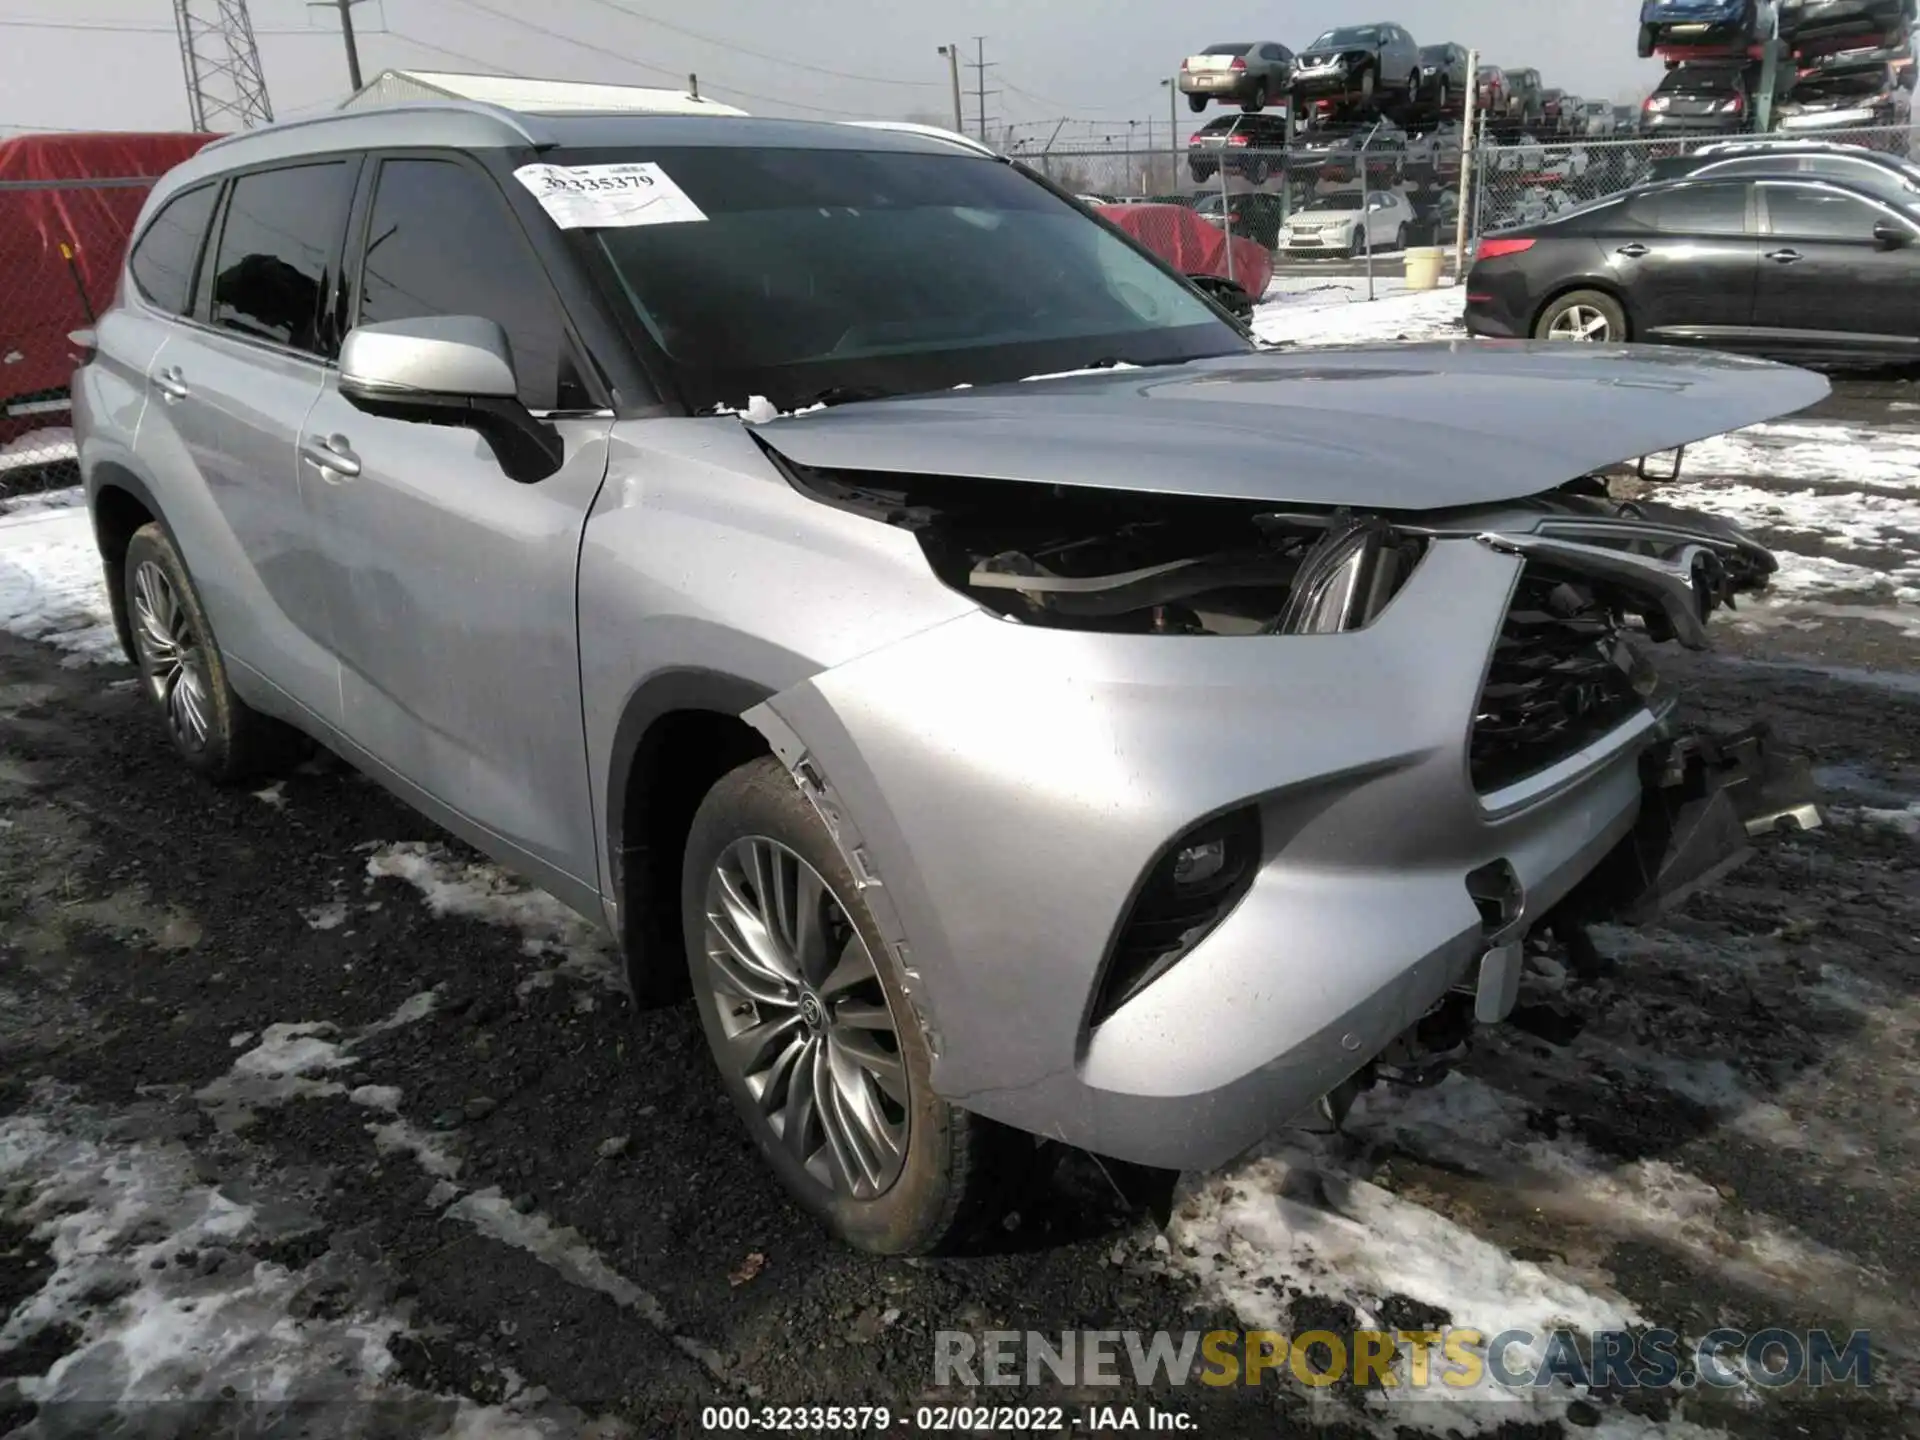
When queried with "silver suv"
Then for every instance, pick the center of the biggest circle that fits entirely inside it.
(912, 617)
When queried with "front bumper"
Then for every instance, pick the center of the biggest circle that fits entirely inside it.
(1335, 83)
(1657, 123)
(1004, 789)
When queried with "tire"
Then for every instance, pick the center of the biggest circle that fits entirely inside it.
(1356, 243)
(947, 1171)
(1257, 171)
(1400, 237)
(1564, 311)
(1369, 83)
(1441, 97)
(1196, 103)
(1646, 42)
(214, 732)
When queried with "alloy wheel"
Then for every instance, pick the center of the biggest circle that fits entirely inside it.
(1581, 322)
(807, 1026)
(172, 661)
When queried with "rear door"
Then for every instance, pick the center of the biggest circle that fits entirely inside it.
(230, 391)
(451, 586)
(1687, 260)
(1826, 282)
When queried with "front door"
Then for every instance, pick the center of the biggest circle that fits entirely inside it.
(1686, 260)
(451, 586)
(1827, 282)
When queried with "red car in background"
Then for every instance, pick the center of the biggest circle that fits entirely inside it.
(1196, 249)
(68, 204)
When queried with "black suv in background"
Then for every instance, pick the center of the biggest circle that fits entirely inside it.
(1698, 100)
(1443, 81)
(1252, 144)
(1358, 62)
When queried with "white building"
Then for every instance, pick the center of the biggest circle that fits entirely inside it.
(513, 92)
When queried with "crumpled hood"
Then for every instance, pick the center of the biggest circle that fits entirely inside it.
(1404, 427)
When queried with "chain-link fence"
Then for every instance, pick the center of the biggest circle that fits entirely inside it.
(1524, 180)
(61, 247)
(1358, 192)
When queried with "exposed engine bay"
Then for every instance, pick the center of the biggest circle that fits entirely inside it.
(1130, 562)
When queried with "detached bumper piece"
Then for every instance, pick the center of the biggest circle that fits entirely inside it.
(1706, 796)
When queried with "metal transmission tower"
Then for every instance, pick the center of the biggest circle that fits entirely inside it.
(222, 64)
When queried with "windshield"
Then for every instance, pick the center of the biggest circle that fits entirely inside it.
(1345, 200)
(1844, 85)
(1226, 49)
(878, 271)
(1357, 37)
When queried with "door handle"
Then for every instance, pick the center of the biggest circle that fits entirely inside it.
(171, 384)
(331, 456)
(1784, 257)
(1633, 251)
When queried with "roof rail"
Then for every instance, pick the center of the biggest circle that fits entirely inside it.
(512, 120)
(934, 132)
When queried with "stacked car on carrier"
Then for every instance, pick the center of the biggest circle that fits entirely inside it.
(1815, 65)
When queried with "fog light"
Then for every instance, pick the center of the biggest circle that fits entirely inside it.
(1198, 864)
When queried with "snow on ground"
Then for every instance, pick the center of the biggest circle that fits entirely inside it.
(1343, 315)
(179, 1319)
(50, 583)
(36, 448)
(475, 890)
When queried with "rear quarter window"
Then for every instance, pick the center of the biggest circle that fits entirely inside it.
(162, 263)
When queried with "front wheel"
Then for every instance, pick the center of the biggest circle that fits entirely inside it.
(183, 673)
(1400, 237)
(1586, 316)
(1646, 42)
(1442, 97)
(813, 1034)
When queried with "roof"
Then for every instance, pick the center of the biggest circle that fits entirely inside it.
(515, 92)
(473, 125)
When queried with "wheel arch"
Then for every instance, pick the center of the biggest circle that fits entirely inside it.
(120, 503)
(1606, 287)
(680, 731)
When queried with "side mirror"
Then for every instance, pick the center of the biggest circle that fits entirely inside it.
(450, 370)
(1889, 236)
(1229, 295)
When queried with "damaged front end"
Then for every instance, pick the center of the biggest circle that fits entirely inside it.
(1565, 693)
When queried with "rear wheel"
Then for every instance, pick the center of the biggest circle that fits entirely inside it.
(813, 1034)
(183, 673)
(1646, 42)
(1587, 316)
(1196, 103)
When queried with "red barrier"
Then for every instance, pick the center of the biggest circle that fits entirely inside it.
(63, 235)
(1192, 246)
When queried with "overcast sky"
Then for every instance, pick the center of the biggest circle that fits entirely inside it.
(117, 66)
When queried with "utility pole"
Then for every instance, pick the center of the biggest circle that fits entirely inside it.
(980, 65)
(345, 7)
(952, 52)
(1466, 167)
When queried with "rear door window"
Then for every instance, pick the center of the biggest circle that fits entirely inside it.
(163, 260)
(1719, 209)
(278, 257)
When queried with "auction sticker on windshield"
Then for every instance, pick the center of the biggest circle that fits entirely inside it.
(602, 197)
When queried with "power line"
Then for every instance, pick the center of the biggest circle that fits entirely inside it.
(837, 110)
(108, 26)
(734, 47)
(418, 43)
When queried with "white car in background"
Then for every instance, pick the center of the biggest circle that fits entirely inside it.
(1347, 222)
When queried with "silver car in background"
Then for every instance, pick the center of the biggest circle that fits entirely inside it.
(912, 618)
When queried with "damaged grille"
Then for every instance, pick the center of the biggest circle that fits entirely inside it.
(1562, 677)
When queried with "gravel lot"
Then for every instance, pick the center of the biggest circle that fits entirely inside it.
(311, 1123)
